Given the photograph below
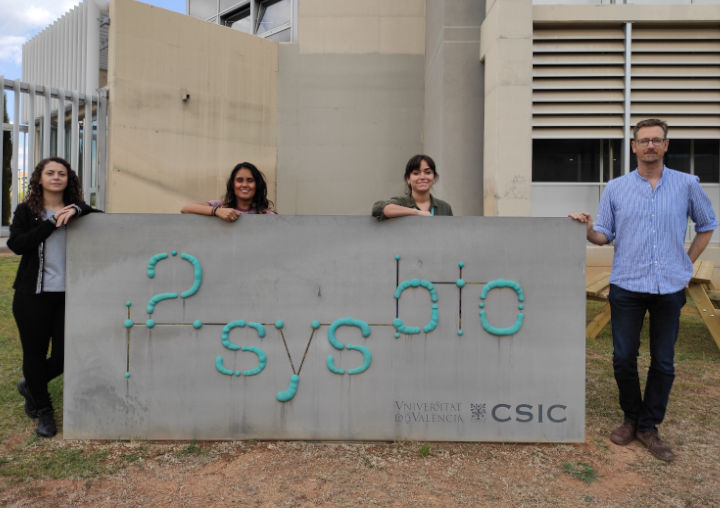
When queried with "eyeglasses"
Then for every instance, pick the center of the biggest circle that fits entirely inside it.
(646, 141)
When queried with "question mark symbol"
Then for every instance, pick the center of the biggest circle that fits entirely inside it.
(155, 299)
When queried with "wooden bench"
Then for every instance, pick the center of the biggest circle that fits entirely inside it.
(701, 291)
(597, 289)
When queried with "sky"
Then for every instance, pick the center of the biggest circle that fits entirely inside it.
(21, 20)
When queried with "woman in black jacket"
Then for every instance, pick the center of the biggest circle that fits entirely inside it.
(37, 233)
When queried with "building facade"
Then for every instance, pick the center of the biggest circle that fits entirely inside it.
(526, 106)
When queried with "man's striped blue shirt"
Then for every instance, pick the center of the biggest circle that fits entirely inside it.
(648, 228)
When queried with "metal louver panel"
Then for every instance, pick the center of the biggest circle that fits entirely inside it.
(578, 74)
(66, 54)
(676, 74)
(578, 85)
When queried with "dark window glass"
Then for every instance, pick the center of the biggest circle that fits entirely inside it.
(707, 160)
(566, 160)
(239, 20)
(678, 155)
(612, 161)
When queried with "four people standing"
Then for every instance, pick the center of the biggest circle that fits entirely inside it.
(645, 214)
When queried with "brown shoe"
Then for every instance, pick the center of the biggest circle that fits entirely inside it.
(656, 445)
(624, 434)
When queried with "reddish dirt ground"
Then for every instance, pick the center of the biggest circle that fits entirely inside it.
(396, 474)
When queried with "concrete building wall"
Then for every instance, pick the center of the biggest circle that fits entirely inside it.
(346, 127)
(165, 151)
(506, 49)
(350, 104)
(367, 85)
(454, 93)
(362, 27)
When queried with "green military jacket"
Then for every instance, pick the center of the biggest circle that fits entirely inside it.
(437, 206)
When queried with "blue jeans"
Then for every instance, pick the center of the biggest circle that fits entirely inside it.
(627, 310)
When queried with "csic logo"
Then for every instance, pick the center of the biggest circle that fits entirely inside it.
(525, 413)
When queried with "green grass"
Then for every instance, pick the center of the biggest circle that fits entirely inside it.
(55, 463)
(696, 360)
(12, 415)
(30, 456)
(193, 448)
(581, 471)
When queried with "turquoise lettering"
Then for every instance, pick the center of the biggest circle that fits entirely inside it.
(501, 283)
(367, 356)
(398, 323)
(288, 394)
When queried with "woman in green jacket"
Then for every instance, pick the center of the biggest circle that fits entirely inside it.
(420, 176)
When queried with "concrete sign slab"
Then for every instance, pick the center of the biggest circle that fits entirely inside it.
(325, 327)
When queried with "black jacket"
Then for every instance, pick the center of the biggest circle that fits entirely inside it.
(27, 238)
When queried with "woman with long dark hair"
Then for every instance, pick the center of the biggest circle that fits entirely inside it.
(37, 233)
(420, 176)
(246, 192)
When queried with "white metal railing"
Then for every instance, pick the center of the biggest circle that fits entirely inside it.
(64, 124)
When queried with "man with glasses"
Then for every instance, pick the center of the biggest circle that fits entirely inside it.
(645, 214)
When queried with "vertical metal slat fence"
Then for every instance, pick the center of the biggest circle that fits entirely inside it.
(40, 130)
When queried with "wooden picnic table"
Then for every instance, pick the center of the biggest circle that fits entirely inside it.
(701, 290)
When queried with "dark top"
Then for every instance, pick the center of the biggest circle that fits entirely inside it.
(27, 238)
(437, 206)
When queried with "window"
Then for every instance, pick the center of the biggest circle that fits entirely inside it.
(584, 160)
(707, 160)
(270, 19)
(239, 20)
(273, 18)
(699, 157)
(575, 160)
(678, 156)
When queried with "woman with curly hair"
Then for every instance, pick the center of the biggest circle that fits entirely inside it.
(37, 233)
(246, 192)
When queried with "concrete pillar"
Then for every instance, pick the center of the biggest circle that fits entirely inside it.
(506, 50)
(452, 133)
